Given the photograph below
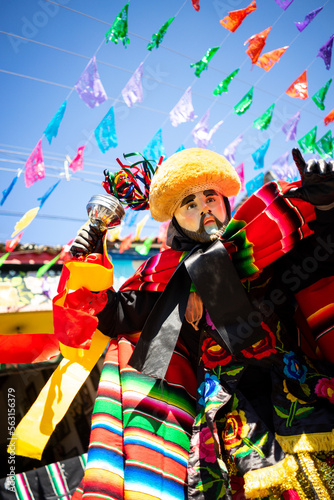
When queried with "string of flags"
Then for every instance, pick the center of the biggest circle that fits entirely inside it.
(91, 91)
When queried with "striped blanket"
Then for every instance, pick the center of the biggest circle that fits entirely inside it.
(141, 430)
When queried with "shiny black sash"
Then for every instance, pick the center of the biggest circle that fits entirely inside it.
(218, 284)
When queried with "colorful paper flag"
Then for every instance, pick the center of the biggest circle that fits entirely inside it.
(181, 148)
(308, 18)
(4, 257)
(307, 142)
(240, 171)
(230, 150)
(105, 132)
(119, 30)
(89, 85)
(126, 243)
(42, 270)
(130, 218)
(7, 191)
(283, 171)
(158, 37)
(267, 60)
(25, 220)
(299, 87)
(325, 145)
(115, 233)
(319, 97)
(34, 169)
(43, 198)
(52, 129)
(12, 244)
(140, 225)
(133, 90)
(329, 118)
(183, 111)
(145, 247)
(236, 17)
(280, 164)
(223, 85)
(201, 133)
(284, 4)
(254, 184)
(155, 148)
(325, 52)
(244, 103)
(256, 44)
(263, 122)
(203, 63)
(259, 154)
(196, 4)
(290, 127)
(77, 162)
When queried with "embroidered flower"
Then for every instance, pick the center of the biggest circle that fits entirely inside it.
(325, 389)
(236, 428)
(290, 495)
(237, 487)
(264, 347)
(290, 396)
(293, 368)
(210, 387)
(214, 354)
(209, 321)
(203, 445)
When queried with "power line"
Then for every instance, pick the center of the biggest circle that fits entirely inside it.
(10, 213)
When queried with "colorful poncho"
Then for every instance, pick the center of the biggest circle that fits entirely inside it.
(141, 428)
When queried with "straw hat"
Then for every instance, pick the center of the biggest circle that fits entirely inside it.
(186, 172)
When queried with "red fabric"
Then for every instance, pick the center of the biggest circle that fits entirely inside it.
(256, 44)
(316, 304)
(65, 274)
(291, 495)
(28, 348)
(299, 87)
(75, 322)
(155, 273)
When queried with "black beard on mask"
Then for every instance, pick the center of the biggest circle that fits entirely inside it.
(201, 235)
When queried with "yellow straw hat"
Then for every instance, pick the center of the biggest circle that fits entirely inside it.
(186, 172)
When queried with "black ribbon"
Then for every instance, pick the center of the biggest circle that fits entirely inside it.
(218, 284)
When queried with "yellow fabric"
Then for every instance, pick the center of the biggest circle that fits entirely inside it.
(258, 483)
(26, 322)
(315, 442)
(34, 431)
(94, 277)
(297, 472)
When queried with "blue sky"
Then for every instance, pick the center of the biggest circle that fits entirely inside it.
(46, 45)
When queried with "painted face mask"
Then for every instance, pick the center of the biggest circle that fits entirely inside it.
(202, 215)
